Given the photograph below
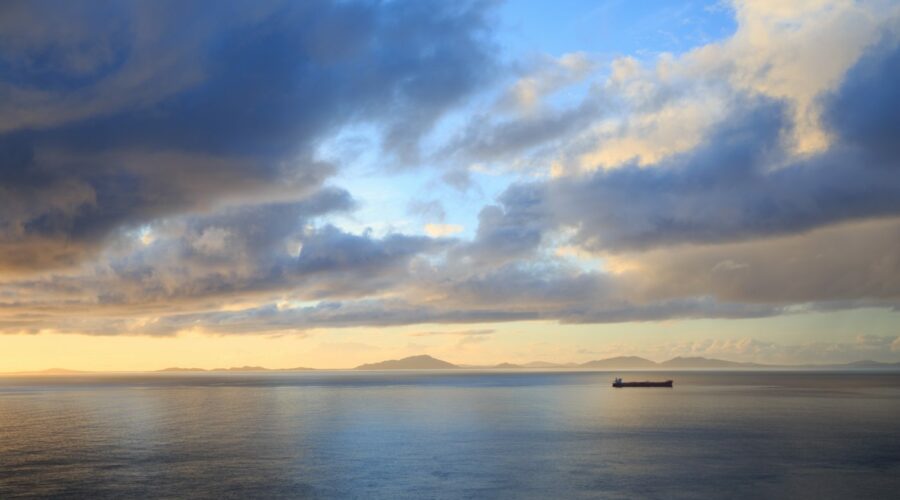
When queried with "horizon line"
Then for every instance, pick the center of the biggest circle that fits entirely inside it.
(738, 365)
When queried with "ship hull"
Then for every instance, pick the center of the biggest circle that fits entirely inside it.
(667, 383)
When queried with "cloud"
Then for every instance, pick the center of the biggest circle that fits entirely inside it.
(486, 140)
(181, 109)
(744, 170)
(848, 262)
(545, 76)
(464, 333)
(511, 230)
(860, 110)
(458, 178)
(191, 262)
(335, 263)
(164, 175)
(427, 209)
(438, 230)
(520, 121)
(647, 109)
(225, 260)
(269, 318)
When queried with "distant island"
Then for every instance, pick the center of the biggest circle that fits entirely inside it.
(421, 362)
(426, 362)
(49, 371)
(631, 363)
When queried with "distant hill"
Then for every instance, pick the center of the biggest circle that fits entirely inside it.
(621, 362)
(700, 363)
(425, 362)
(61, 371)
(49, 371)
(868, 363)
(422, 362)
(507, 366)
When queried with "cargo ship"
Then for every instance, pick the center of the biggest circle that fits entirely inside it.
(619, 383)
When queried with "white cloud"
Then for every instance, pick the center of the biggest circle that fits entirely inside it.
(795, 51)
(644, 112)
(549, 75)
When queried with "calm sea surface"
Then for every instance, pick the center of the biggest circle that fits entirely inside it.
(451, 435)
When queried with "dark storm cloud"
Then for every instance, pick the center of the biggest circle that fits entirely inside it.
(180, 107)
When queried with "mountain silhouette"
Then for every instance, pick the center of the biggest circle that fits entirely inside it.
(421, 362)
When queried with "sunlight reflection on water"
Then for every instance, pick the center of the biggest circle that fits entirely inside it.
(461, 434)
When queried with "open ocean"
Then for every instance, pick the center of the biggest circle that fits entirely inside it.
(454, 434)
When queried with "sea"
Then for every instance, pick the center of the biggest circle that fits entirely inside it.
(451, 434)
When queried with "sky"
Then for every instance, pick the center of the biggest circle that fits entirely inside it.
(325, 184)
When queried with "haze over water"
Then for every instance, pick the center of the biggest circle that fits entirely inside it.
(460, 434)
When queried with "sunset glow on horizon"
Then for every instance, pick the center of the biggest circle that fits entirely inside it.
(318, 184)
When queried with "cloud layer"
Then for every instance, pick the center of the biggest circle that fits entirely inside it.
(187, 108)
(163, 174)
